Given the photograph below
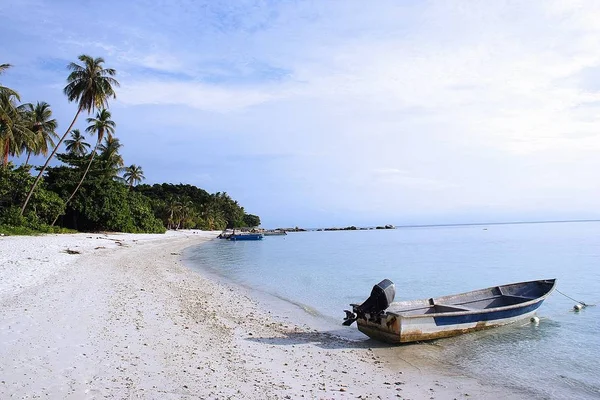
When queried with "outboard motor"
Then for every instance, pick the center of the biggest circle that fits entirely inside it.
(382, 295)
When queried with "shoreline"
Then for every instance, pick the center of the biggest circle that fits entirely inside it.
(432, 377)
(124, 317)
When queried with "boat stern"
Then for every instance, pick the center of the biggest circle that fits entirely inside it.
(385, 327)
(382, 295)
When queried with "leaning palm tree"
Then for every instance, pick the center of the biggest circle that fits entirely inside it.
(100, 125)
(77, 145)
(91, 86)
(43, 127)
(133, 174)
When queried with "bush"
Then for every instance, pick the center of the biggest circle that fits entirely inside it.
(11, 216)
(102, 204)
(43, 207)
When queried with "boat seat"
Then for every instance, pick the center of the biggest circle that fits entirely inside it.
(525, 298)
(453, 307)
(504, 294)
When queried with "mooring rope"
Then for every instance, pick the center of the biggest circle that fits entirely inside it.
(577, 301)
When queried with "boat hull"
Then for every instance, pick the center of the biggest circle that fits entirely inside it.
(395, 329)
(257, 236)
(437, 318)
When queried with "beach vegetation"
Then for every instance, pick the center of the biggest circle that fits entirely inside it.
(91, 190)
(133, 174)
(10, 230)
(103, 202)
(91, 86)
(77, 145)
(43, 128)
(101, 125)
(251, 221)
(14, 182)
(15, 127)
(112, 161)
(189, 207)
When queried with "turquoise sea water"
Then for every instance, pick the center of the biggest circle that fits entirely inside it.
(325, 271)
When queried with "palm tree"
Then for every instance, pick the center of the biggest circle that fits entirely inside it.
(43, 127)
(14, 129)
(101, 125)
(4, 89)
(8, 115)
(111, 158)
(15, 132)
(173, 209)
(91, 86)
(133, 174)
(76, 145)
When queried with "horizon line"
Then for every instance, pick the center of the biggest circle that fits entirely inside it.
(462, 224)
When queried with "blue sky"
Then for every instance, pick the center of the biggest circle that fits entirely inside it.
(343, 112)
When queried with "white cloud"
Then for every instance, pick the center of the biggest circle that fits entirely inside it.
(192, 94)
(498, 80)
(486, 103)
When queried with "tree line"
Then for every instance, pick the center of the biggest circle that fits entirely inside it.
(92, 189)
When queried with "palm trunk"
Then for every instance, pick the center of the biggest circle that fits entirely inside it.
(28, 155)
(6, 150)
(37, 180)
(81, 181)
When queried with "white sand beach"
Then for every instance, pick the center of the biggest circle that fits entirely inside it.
(89, 316)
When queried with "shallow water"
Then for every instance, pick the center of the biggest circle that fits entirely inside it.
(325, 271)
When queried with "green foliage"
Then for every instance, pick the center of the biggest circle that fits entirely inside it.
(102, 200)
(230, 209)
(11, 216)
(142, 215)
(44, 204)
(91, 86)
(43, 126)
(103, 204)
(12, 230)
(187, 206)
(15, 127)
(251, 220)
(77, 144)
(13, 190)
(133, 174)
(178, 206)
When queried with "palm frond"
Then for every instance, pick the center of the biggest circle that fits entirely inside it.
(90, 84)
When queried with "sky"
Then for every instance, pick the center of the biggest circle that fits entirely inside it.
(335, 113)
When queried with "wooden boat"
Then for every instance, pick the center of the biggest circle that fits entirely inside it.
(246, 236)
(419, 320)
(275, 232)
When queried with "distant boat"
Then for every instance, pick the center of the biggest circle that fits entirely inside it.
(226, 234)
(276, 232)
(246, 236)
(418, 320)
